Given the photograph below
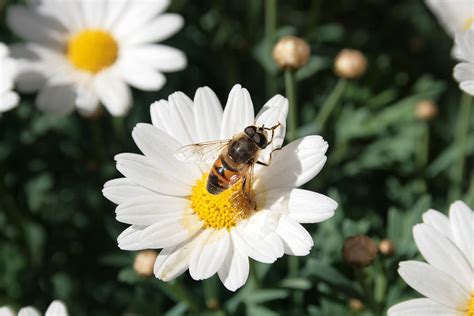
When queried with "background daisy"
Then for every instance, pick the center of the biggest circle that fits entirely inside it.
(79, 53)
(455, 16)
(464, 71)
(8, 98)
(447, 279)
(168, 206)
(56, 308)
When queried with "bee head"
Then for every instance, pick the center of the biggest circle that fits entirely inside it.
(258, 135)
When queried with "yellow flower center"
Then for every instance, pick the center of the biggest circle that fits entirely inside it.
(223, 210)
(470, 306)
(92, 50)
(468, 23)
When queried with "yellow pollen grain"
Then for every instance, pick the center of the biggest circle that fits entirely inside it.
(470, 306)
(92, 50)
(468, 23)
(223, 210)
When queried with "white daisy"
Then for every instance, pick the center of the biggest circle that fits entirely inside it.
(454, 15)
(57, 308)
(166, 201)
(447, 280)
(464, 71)
(82, 52)
(8, 98)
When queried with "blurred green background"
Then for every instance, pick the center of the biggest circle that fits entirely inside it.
(385, 166)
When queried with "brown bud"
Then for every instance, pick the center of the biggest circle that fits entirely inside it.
(426, 110)
(350, 64)
(94, 115)
(359, 251)
(213, 303)
(387, 247)
(356, 305)
(291, 52)
(144, 262)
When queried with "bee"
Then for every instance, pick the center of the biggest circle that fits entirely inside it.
(234, 159)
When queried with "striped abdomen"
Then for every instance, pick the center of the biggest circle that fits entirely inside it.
(222, 176)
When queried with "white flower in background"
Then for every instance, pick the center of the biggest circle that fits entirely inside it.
(454, 15)
(464, 71)
(166, 201)
(57, 308)
(8, 98)
(447, 280)
(82, 52)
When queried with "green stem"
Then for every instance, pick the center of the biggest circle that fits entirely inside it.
(424, 143)
(460, 140)
(361, 278)
(290, 85)
(180, 294)
(270, 35)
(470, 191)
(330, 104)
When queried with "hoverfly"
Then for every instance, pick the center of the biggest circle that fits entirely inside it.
(234, 159)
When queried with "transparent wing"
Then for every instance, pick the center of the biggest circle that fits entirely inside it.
(202, 152)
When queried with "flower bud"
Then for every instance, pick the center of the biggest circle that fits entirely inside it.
(387, 247)
(291, 52)
(426, 110)
(359, 251)
(144, 262)
(356, 305)
(350, 64)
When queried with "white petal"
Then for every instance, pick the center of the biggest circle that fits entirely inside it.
(439, 221)
(151, 209)
(31, 25)
(170, 232)
(57, 98)
(238, 112)
(209, 254)
(86, 100)
(176, 118)
(434, 284)
(272, 113)
(310, 207)
(140, 170)
(159, 147)
(207, 114)
(130, 238)
(265, 250)
(264, 222)
(136, 15)
(452, 15)
(462, 227)
(296, 240)
(441, 253)
(464, 74)
(156, 30)
(8, 100)
(93, 13)
(28, 311)
(299, 161)
(173, 261)
(235, 269)
(421, 307)
(465, 42)
(120, 190)
(140, 75)
(6, 311)
(56, 308)
(113, 92)
(160, 57)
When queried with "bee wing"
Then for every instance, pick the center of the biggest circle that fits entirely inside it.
(202, 152)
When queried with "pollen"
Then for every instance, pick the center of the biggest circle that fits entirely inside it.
(92, 50)
(470, 306)
(224, 210)
(468, 23)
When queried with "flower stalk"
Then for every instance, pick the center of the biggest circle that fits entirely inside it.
(330, 104)
(290, 86)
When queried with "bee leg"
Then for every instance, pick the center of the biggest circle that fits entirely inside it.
(273, 131)
(246, 193)
(266, 164)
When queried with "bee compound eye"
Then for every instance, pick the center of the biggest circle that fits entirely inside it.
(249, 130)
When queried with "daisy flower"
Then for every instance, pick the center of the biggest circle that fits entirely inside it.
(454, 15)
(8, 98)
(447, 279)
(57, 308)
(168, 206)
(82, 52)
(464, 71)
